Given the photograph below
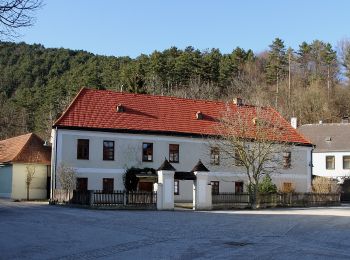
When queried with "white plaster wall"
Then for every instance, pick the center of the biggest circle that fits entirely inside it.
(128, 153)
(319, 163)
(185, 191)
(38, 186)
(5, 181)
(95, 177)
(128, 150)
(227, 183)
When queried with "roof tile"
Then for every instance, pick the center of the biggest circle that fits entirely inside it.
(97, 109)
(26, 148)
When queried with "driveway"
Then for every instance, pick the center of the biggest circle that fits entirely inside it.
(40, 231)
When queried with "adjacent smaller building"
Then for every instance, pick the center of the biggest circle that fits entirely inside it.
(331, 156)
(18, 153)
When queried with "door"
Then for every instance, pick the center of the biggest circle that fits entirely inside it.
(239, 187)
(48, 187)
(345, 191)
(146, 186)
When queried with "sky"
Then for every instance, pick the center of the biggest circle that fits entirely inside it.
(132, 27)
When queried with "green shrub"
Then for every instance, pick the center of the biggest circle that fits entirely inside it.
(266, 185)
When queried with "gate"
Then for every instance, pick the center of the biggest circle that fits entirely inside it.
(345, 191)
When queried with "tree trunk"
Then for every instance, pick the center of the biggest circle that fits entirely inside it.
(27, 192)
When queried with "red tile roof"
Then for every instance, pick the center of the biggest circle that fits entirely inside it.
(26, 148)
(147, 113)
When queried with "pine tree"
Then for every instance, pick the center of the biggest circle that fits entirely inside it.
(276, 68)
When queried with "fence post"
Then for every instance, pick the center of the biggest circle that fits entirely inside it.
(158, 188)
(91, 195)
(125, 194)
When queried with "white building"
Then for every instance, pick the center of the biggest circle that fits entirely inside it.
(103, 133)
(331, 156)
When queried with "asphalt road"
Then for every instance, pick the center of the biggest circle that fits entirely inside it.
(40, 231)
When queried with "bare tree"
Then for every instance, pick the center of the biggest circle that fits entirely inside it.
(16, 14)
(29, 177)
(254, 139)
(67, 179)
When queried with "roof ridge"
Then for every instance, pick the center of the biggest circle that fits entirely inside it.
(15, 137)
(168, 97)
(70, 105)
(22, 148)
(327, 124)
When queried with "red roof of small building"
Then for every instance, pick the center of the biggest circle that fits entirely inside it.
(97, 109)
(28, 148)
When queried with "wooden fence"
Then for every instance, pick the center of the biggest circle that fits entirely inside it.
(119, 198)
(242, 200)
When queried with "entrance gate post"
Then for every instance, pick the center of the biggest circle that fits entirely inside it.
(202, 198)
(165, 193)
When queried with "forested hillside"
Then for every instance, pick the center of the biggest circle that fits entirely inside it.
(36, 83)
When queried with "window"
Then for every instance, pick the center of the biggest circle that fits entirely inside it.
(147, 152)
(238, 160)
(176, 187)
(330, 162)
(82, 184)
(108, 185)
(83, 149)
(215, 156)
(239, 187)
(287, 156)
(108, 150)
(214, 187)
(346, 162)
(174, 153)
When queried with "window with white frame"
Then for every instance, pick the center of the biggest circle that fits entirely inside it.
(330, 162)
(174, 153)
(287, 159)
(346, 162)
(214, 156)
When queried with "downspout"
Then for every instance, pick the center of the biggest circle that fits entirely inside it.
(53, 168)
(311, 167)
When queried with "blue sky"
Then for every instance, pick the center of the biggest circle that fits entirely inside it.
(132, 27)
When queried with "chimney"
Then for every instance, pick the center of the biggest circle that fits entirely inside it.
(294, 122)
(345, 120)
(238, 101)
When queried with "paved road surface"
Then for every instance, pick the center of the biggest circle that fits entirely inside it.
(40, 231)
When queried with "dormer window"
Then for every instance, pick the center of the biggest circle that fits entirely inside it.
(199, 115)
(255, 121)
(238, 101)
(120, 108)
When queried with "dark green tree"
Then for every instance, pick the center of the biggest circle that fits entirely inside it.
(276, 68)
